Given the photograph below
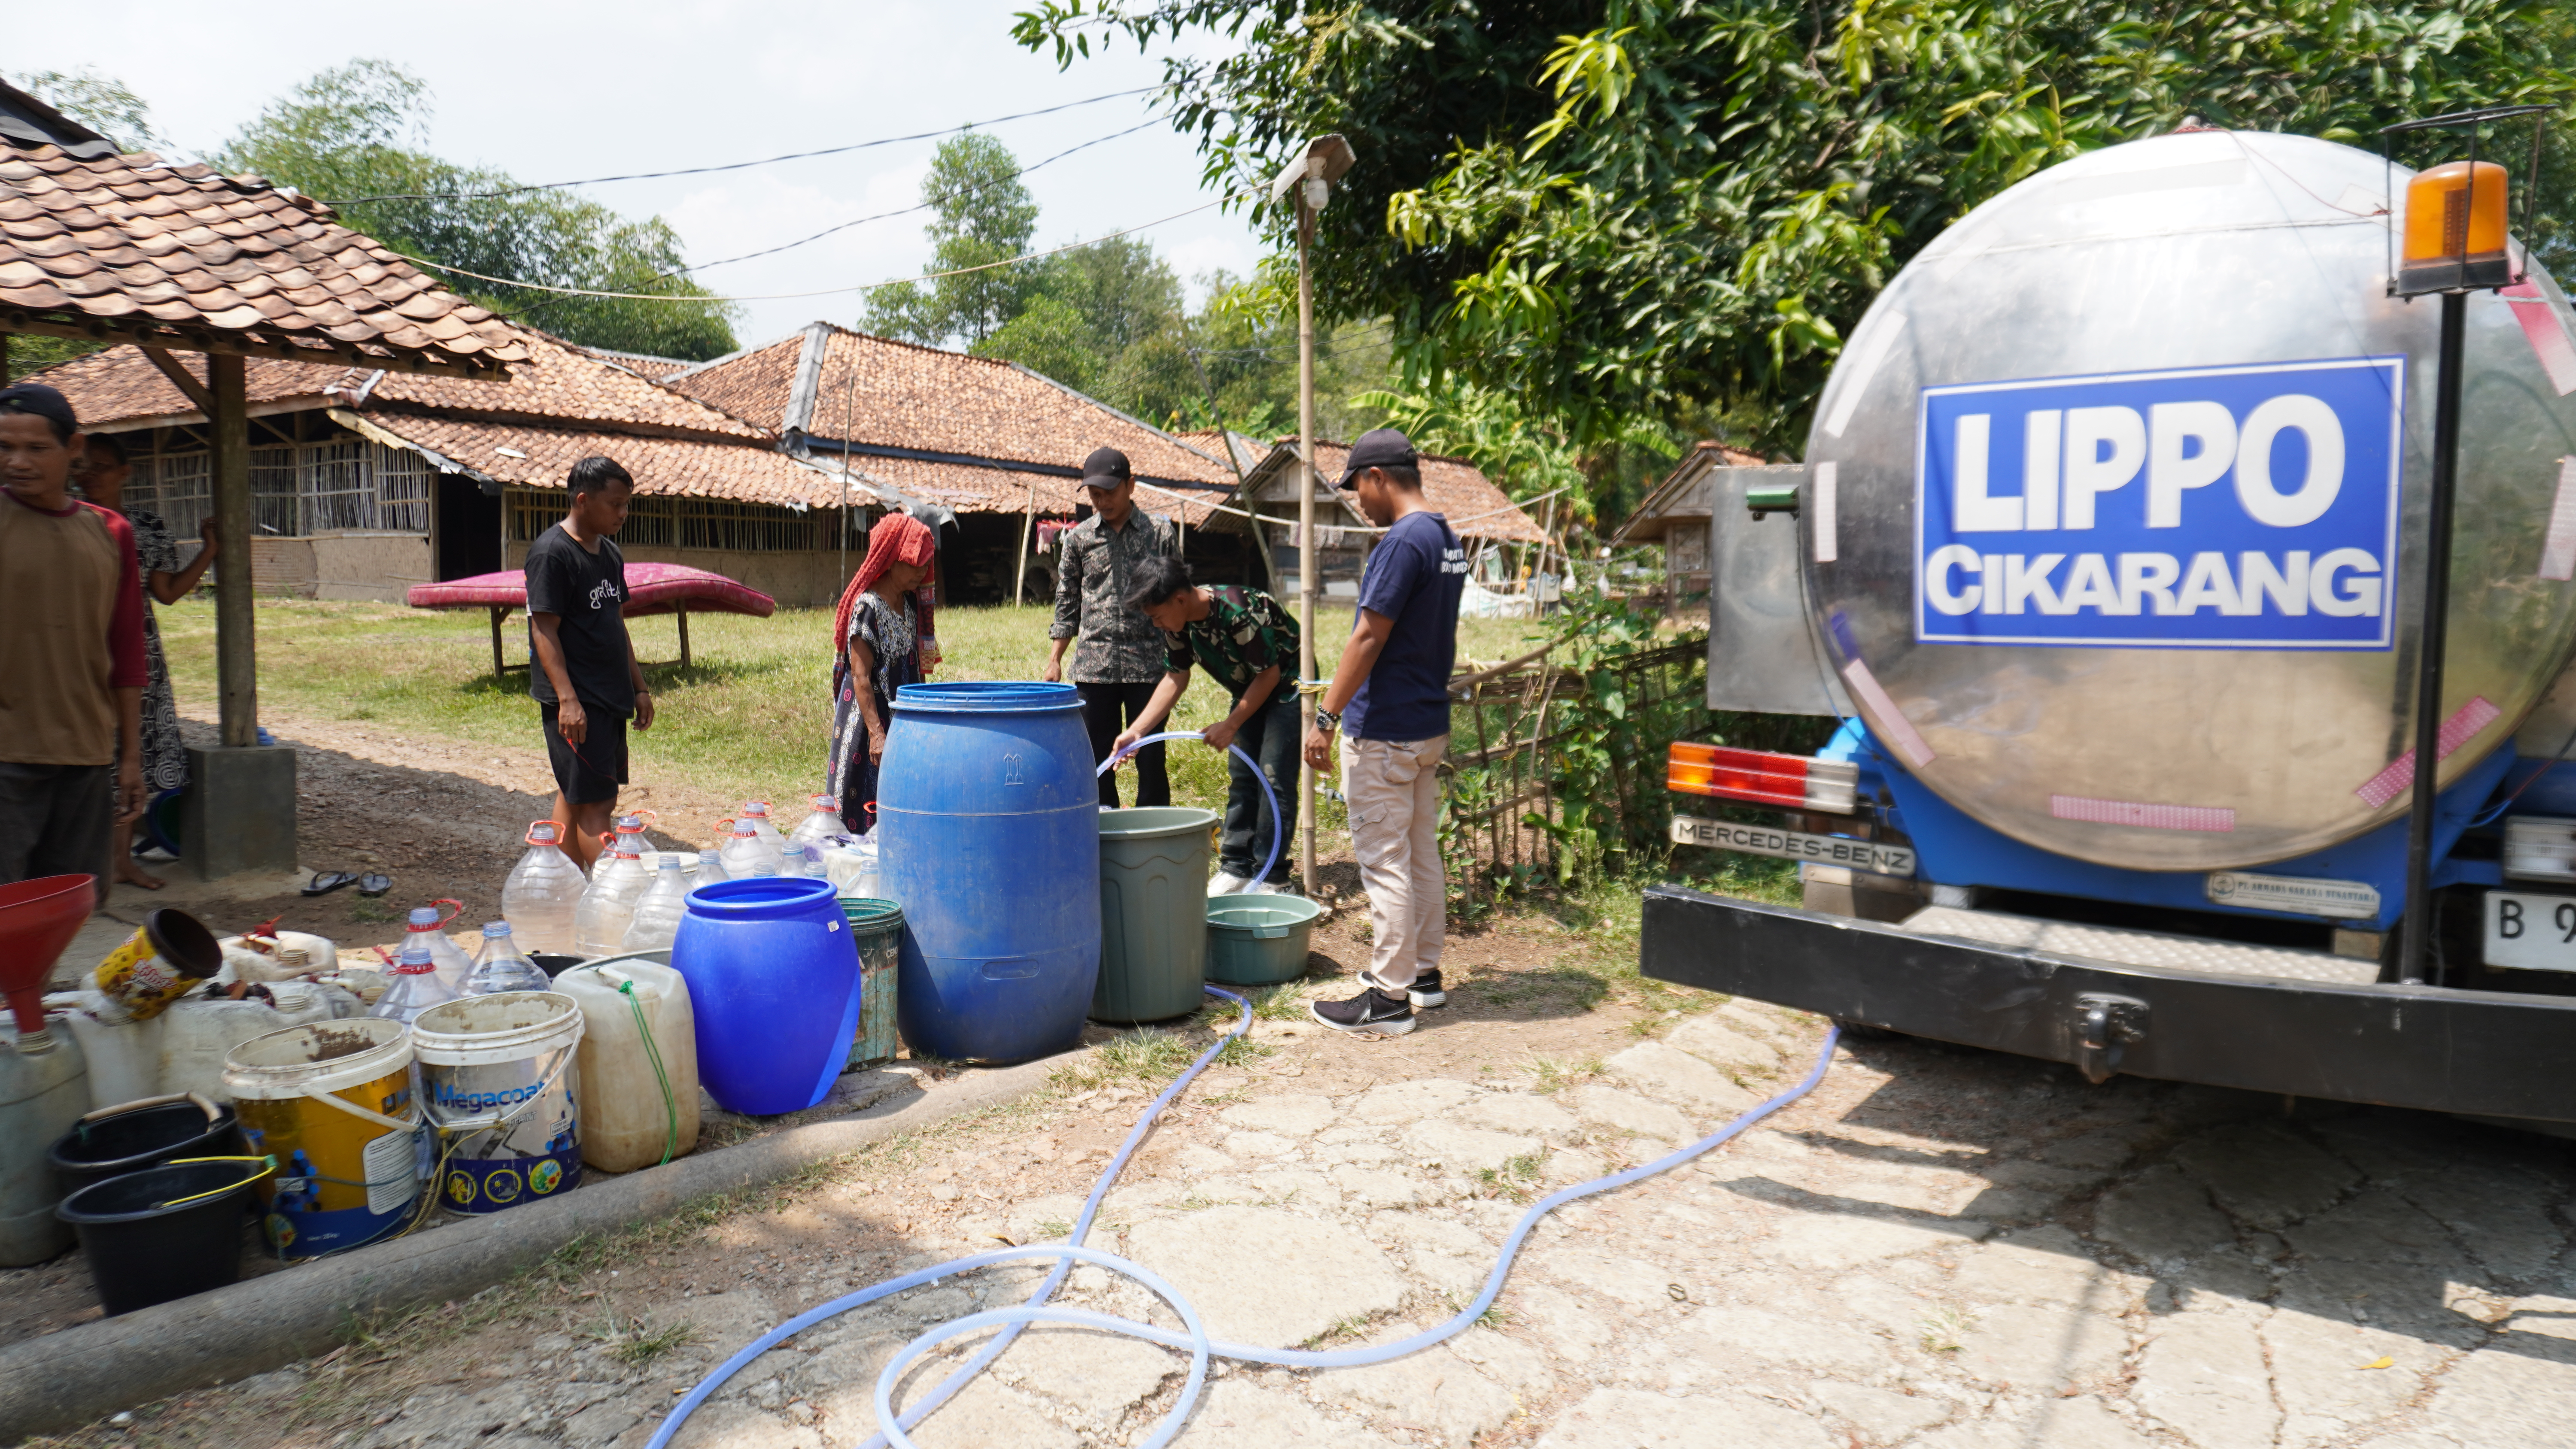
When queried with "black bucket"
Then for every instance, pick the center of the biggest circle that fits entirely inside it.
(554, 965)
(114, 1141)
(164, 1232)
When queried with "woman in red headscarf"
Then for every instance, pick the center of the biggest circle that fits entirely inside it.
(885, 642)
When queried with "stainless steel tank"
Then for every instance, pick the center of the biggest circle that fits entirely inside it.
(2117, 497)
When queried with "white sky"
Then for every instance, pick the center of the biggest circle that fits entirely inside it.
(572, 88)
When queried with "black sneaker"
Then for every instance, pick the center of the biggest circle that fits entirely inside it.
(1371, 1010)
(1426, 990)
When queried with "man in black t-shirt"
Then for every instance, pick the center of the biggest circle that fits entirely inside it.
(585, 678)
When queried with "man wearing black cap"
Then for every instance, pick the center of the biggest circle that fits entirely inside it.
(72, 662)
(1118, 654)
(1390, 694)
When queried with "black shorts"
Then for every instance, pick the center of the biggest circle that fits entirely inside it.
(591, 771)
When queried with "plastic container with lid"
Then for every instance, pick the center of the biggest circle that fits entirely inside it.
(416, 988)
(429, 929)
(745, 851)
(657, 912)
(542, 892)
(44, 1089)
(199, 1031)
(608, 907)
(637, 1082)
(501, 965)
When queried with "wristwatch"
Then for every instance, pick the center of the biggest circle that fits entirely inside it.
(1327, 721)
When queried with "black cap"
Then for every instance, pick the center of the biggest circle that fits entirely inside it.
(37, 400)
(1378, 448)
(1106, 468)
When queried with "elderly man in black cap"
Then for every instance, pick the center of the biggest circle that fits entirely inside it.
(1390, 694)
(1118, 654)
(73, 662)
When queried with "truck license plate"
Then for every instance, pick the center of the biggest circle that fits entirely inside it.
(1867, 855)
(2533, 932)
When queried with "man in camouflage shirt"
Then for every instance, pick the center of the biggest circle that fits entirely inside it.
(1249, 643)
(1117, 652)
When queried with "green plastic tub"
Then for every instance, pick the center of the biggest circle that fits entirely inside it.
(876, 928)
(1258, 940)
(1153, 877)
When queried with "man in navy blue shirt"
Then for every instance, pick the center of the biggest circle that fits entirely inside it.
(1391, 696)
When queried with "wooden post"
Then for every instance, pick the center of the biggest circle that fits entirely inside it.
(684, 636)
(236, 643)
(1020, 570)
(499, 612)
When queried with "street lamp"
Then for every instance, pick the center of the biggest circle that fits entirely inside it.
(1310, 177)
(2455, 244)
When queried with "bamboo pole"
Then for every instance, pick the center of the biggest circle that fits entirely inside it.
(1020, 569)
(1308, 559)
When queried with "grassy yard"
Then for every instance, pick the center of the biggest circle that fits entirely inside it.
(754, 707)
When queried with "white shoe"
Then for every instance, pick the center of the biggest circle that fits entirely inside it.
(1226, 884)
(1265, 888)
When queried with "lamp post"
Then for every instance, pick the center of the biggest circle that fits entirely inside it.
(2455, 244)
(1310, 178)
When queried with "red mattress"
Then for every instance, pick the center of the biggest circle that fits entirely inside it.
(652, 588)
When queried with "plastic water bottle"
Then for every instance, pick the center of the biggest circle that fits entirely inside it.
(710, 867)
(608, 907)
(820, 826)
(745, 850)
(428, 929)
(542, 892)
(757, 812)
(658, 911)
(791, 859)
(417, 986)
(502, 966)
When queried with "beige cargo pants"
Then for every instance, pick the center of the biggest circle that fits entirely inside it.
(1393, 788)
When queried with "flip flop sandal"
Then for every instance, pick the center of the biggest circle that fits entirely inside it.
(329, 881)
(375, 885)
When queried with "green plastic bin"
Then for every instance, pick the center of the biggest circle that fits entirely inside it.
(876, 928)
(1153, 944)
(1258, 940)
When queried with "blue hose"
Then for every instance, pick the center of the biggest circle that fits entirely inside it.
(891, 1425)
(1276, 839)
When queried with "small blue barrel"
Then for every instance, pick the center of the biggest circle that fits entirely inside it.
(774, 988)
(990, 819)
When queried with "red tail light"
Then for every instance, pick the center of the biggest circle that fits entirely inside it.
(1761, 777)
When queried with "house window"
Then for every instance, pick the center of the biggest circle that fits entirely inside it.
(651, 523)
(403, 480)
(181, 490)
(333, 485)
(273, 513)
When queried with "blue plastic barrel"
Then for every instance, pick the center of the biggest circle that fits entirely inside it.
(774, 988)
(990, 820)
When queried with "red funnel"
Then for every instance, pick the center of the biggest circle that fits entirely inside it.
(38, 918)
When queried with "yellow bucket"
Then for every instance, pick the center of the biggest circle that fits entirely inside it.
(332, 1102)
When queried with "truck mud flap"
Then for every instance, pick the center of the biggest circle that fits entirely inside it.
(2490, 1054)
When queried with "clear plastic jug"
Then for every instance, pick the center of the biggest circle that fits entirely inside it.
(429, 929)
(656, 922)
(608, 907)
(542, 892)
(823, 824)
(502, 966)
(417, 986)
(710, 867)
(792, 859)
(744, 850)
(757, 812)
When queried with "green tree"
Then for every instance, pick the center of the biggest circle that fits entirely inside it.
(981, 214)
(353, 137)
(1613, 209)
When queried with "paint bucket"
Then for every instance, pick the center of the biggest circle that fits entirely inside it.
(113, 1141)
(332, 1102)
(497, 1077)
(164, 1232)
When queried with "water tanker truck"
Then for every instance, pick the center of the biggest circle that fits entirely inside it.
(2109, 553)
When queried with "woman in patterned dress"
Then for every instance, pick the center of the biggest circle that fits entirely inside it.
(101, 473)
(882, 635)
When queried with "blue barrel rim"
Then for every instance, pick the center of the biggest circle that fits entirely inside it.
(988, 697)
(764, 898)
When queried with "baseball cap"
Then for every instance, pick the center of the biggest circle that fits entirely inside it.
(37, 400)
(1378, 448)
(1105, 468)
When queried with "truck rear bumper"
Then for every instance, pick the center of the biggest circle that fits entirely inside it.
(2488, 1054)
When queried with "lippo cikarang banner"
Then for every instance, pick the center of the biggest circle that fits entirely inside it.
(2245, 507)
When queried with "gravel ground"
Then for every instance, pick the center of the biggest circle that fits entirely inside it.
(1939, 1247)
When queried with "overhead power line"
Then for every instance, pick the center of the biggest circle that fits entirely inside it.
(733, 165)
(818, 292)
